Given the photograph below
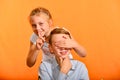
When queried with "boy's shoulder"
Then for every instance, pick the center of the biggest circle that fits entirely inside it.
(77, 63)
(33, 38)
(47, 63)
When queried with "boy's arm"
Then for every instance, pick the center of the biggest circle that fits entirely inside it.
(32, 55)
(79, 50)
(71, 43)
(35, 47)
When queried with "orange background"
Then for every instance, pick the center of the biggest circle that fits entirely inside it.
(95, 24)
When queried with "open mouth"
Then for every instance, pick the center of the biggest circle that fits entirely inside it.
(64, 52)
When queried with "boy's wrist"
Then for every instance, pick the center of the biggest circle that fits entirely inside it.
(37, 49)
(63, 71)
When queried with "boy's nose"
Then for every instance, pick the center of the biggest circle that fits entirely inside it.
(62, 48)
(39, 28)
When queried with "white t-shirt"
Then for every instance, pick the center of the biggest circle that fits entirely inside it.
(45, 50)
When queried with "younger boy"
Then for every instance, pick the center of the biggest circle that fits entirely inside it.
(61, 67)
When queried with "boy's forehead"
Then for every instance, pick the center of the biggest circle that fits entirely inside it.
(38, 18)
(59, 37)
(41, 14)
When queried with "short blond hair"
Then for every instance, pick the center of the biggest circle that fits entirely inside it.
(57, 31)
(39, 10)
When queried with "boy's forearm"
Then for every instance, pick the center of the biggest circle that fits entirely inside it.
(80, 50)
(32, 56)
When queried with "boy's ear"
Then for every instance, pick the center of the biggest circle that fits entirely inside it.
(50, 48)
(50, 25)
(50, 22)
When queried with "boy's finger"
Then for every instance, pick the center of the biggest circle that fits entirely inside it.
(40, 36)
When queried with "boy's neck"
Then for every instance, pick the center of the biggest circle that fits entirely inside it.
(59, 60)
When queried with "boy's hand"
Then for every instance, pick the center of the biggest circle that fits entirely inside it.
(67, 43)
(40, 41)
(65, 65)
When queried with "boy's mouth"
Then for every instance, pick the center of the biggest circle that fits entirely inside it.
(63, 52)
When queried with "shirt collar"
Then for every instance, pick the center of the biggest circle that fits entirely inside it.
(55, 64)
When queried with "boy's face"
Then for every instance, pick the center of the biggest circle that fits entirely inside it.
(59, 51)
(40, 24)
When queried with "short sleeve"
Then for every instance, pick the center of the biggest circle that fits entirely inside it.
(33, 38)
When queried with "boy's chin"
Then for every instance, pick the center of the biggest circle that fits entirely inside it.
(65, 56)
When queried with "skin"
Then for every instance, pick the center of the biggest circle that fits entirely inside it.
(72, 43)
(61, 54)
(41, 26)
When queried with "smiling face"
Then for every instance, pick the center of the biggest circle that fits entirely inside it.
(57, 36)
(40, 24)
(41, 21)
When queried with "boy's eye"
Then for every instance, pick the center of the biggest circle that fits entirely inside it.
(34, 25)
(40, 23)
